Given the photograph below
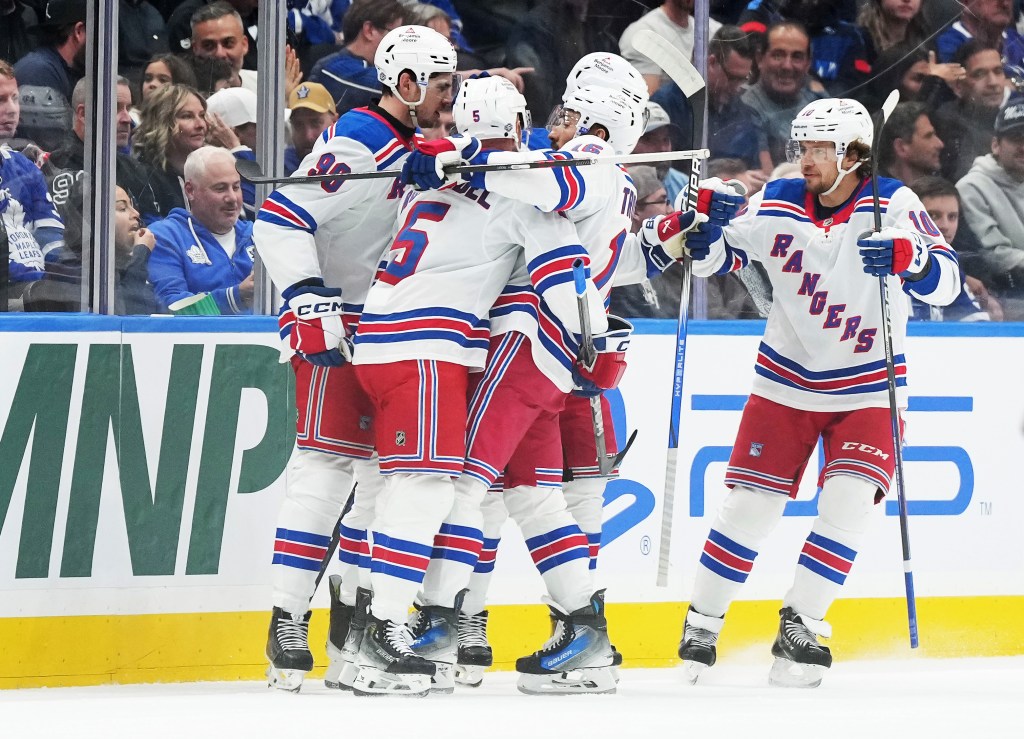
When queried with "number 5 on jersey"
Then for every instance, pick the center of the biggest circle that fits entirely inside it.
(410, 243)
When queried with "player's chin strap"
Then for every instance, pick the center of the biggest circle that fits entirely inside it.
(839, 177)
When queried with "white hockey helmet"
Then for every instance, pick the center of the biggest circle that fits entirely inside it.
(489, 108)
(838, 120)
(418, 49)
(604, 69)
(614, 110)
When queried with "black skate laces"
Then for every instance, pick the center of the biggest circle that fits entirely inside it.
(473, 630)
(293, 634)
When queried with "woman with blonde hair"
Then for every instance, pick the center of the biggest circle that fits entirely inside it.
(889, 22)
(173, 126)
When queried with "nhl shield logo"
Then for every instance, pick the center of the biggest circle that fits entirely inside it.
(755, 449)
(400, 438)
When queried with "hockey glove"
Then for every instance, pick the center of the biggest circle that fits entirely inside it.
(895, 251)
(424, 168)
(609, 360)
(719, 200)
(662, 238)
(310, 324)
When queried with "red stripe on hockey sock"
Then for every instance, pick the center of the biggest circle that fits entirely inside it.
(827, 558)
(731, 560)
(461, 543)
(404, 559)
(557, 547)
(301, 550)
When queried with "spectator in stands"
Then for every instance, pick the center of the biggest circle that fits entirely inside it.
(206, 249)
(838, 47)
(312, 111)
(892, 22)
(914, 72)
(993, 196)
(47, 76)
(672, 20)
(551, 38)
(349, 74)
(658, 296)
(173, 126)
(180, 33)
(132, 247)
(218, 32)
(66, 164)
(140, 35)
(909, 148)
(732, 128)
(165, 69)
(942, 203)
(990, 22)
(231, 121)
(34, 228)
(658, 135)
(965, 125)
(783, 89)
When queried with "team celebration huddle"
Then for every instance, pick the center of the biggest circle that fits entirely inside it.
(450, 340)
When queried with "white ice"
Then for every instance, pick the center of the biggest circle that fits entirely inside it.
(869, 700)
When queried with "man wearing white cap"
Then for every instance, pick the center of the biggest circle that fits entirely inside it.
(231, 114)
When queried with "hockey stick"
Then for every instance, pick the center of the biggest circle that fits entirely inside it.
(890, 373)
(679, 69)
(252, 172)
(588, 354)
(332, 546)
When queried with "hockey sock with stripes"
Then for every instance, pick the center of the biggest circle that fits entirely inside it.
(457, 545)
(494, 516)
(585, 500)
(745, 520)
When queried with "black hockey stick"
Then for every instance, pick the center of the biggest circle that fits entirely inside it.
(251, 171)
(332, 546)
(890, 373)
(679, 69)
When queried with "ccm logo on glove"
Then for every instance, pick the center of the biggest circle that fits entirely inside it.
(332, 307)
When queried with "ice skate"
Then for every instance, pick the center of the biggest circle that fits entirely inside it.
(800, 661)
(576, 659)
(288, 650)
(344, 665)
(475, 654)
(435, 632)
(697, 649)
(387, 664)
(337, 633)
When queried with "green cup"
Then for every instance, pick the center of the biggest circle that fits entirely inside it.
(202, 304)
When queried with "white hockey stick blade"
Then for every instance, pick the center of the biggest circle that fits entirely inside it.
(890, 104)
(665, 55)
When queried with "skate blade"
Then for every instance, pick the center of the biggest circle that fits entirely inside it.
(590, 680)
(472, 676)
(332, 677)
(615, 673)
(287, 680)
(373, 681)
(443, 680)
(788, 674)
(692, 671)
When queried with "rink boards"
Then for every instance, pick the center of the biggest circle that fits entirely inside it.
(142, 460)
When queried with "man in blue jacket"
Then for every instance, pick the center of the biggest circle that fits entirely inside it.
(207, 250)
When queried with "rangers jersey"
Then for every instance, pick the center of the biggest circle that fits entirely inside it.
(454, 252)
(337, 230)
(822, 348)
(599, 201)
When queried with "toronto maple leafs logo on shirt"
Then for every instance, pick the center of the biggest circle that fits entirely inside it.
(198, 255)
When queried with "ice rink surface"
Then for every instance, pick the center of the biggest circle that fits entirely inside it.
(869, 700)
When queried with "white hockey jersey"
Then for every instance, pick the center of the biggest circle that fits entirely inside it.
(336, 230)
(599, 201)
(822, 348)
(452, 256)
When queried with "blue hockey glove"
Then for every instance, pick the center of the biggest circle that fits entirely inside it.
(894, 251)
(310, 324)
(424, 168)
(662, 238)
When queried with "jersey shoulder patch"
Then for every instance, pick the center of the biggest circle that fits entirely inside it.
(789, 191)
(373, 132)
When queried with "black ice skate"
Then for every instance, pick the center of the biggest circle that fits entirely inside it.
(387, 664)
(435, 633)
(475, 653)
(800, 661)
(337, 634)
(288, 650)
(576, 659)
(697, 648)
(345, 665)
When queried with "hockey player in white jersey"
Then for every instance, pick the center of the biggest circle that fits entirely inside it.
(321, 243)
(424, 328)
(820, 372)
